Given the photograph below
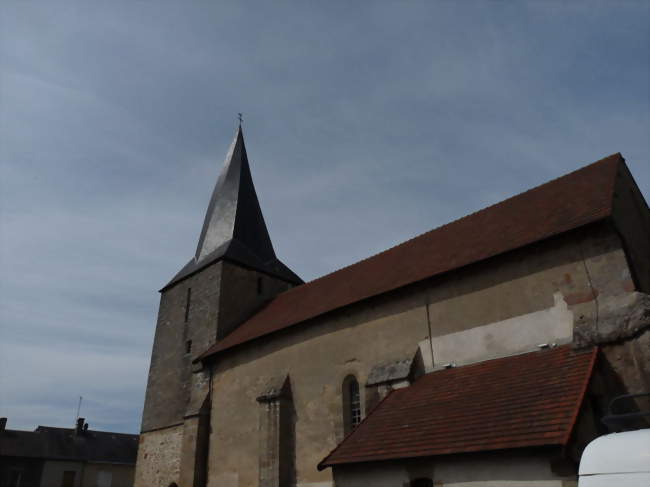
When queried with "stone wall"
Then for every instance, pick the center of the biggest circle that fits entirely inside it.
(244, 292)
(623, 326)
(170, 372)
(221, 296)
(556, 280)
(159, 457)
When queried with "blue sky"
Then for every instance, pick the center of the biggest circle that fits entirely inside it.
(366, 123)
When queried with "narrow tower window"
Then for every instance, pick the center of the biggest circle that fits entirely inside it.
(355, 404)
(260, 285)
(351, 404)
(187, 303)
(188, 346)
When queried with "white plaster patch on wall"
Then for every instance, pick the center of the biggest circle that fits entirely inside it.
(400, 384)
(502, 338)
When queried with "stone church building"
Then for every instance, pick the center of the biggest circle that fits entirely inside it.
(481, 353)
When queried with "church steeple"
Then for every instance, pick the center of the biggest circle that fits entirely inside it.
(234, 226)
(234, 212)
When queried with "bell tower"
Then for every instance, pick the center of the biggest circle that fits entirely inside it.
(233, 272)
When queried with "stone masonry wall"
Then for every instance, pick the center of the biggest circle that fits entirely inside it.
(159, 458)
(221, 296)
(168, 388)
(244, 292)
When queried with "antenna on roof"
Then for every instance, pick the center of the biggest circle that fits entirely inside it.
(78, 409)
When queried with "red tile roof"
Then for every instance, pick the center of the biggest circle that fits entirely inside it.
(576, 199)
(524, 400)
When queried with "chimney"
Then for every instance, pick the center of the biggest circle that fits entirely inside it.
(80, 425)
(3, 424)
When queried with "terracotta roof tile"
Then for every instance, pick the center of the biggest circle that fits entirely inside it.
(520, 401)
(576, 199)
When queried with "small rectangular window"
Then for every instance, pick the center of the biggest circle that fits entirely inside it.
(188, 346)
(187, 303)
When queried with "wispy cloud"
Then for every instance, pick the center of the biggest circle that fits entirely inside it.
(365, 126)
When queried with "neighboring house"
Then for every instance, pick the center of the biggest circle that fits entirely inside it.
(479, 354)
(66, 457)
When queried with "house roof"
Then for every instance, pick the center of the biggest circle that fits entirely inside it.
(525, 400)
(63, 444)
(571, 201)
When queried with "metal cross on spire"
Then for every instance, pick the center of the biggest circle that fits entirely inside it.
(241, 118)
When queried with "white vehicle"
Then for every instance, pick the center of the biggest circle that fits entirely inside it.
(617, 460)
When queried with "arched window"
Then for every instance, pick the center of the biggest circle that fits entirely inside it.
(351, 404)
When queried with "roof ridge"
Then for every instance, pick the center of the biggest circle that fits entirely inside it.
(73, 429)
(464, 217)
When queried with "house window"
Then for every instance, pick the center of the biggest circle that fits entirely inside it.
(68, 478)
(422, 482)
(187, 303)
(351, 404)
(104, 478)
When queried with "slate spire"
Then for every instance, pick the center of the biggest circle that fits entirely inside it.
(234, 211)
(234, 226)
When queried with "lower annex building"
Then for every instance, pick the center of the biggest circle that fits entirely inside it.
(418, 366)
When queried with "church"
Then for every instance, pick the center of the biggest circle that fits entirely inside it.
(482, 353)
